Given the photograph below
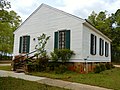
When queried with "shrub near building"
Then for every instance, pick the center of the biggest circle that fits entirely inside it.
(103, 66)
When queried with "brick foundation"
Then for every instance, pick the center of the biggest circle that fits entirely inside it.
(81, 67)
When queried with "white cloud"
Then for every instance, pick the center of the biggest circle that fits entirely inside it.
(81, 8)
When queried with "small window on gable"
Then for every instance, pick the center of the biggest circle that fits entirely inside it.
(93, 45)
(24, 44)
(106, 49)
(101, 46)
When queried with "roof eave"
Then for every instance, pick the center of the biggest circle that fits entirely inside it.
(96, 30)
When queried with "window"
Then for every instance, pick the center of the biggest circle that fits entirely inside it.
(62, 39)
(24, 44)
(101, 48)
(93, 44)
(106, 49)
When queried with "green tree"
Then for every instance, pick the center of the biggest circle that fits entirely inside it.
(116, 36)
(14, 20)
(5, 38)
(9, 21)
(4, 4)
(92, 18)
(101, 22)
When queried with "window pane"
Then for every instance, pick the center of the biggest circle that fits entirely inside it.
(61, 39)
(25, 44)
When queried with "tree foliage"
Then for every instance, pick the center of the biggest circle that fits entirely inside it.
(9, 21)
(6, 38)
(4, 4)
(110, 26)
(101, 22)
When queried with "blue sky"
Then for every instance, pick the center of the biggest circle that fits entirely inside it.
(81, 8)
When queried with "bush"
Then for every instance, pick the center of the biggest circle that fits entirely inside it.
(112, 66)
(42, 63)
(57, 67)
(61, 69)
(53, 65)
(97, 69)
(31, 68)
(102, 67)
(39, 64)
(108, 66)
(29, 65)
(54, 57)
(61, 54)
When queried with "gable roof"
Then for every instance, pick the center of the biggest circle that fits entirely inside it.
(84, 21)
(45, 5)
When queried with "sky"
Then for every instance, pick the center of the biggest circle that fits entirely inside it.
(80, 8)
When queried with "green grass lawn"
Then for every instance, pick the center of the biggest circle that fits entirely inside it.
(7, 68)
(107, 79)
(9, 83)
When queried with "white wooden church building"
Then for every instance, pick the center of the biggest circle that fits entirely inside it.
(66, 31)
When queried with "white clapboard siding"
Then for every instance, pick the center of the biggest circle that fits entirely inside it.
(47, 20)
(86, 46)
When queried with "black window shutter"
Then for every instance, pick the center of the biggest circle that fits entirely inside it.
(107, 49)
(56, 40)
(28, 44)
(95, 44)
(67, 39)
(20, 45)
(100, 46)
